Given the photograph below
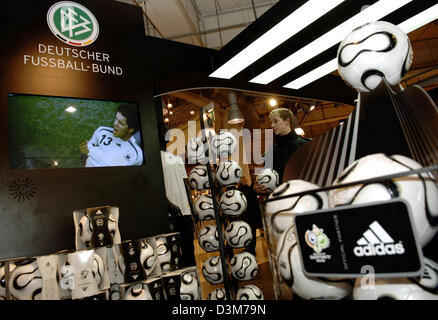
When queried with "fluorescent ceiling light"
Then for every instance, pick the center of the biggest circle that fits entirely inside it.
(299, 131)
(407, 26)
(312, 108)
(336, 35)
(292, 24)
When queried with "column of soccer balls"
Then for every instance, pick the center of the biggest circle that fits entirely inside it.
(232, 203)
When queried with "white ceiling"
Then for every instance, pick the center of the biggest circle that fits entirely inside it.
(206, 23)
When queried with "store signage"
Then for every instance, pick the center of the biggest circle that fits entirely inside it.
(77, 27)
(340, 242)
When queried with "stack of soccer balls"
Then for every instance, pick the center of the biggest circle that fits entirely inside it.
(232, 203)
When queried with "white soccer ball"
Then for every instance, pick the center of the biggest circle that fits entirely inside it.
(280, 213)
(3, 279)
(204, 207)
(163, 253)
(212, 270)
(373, 51)
(289, 266)
(228, 173)
(208, 238)
(401, 288)
(418, 190)
(223, 144)
(148, 258)
(238, 234)
(197, 151)
(217, 294)
(198, 178)
(249, 292)
(268, 178)
(189, 286)
(25, 282)
(98, 269)
(244, 266)
(138, 291)
(233, 203)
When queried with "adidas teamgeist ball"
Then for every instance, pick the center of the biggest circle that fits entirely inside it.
(198, 178)
(280, 213)
(233, 203)
(268, 178)
(249, 292)
(244, 266)
(204, 207)
(418, 190)
(223, 144)
(212, 270)
(238, 234)
(374, 51)
(228, 173)
(148, 257)
(208, 238)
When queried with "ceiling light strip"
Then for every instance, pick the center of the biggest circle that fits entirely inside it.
(331, 38)
(413, 23)
(292, 24)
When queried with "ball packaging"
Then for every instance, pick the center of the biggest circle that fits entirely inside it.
(198, 178)
(212, 270)
(228, 173)
(204, 208)
(148, 257)
(268, 178)
(244, 266)
(208, 238)
(223, 144)
(249, 292)
(238, 234)
(190, 286)
(233, 203)
(138, 291)
(418, 190)
(374, 51)
(25, 282)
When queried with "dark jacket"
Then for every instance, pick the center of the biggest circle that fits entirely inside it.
(282, 150)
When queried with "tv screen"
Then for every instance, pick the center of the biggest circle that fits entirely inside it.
(57, 132)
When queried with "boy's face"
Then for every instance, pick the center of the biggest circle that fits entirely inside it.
(121, 128)
(279, 125)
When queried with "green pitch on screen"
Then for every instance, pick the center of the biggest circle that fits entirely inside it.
(42, 134)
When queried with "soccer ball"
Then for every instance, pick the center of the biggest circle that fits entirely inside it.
(138, 291)
(198, 178)
(268, 178)
(197, 151)
(204, 207)
(290, 270)
(223, 144)
(148, 258)
(401, 288)
(217, 294)
(374, 51)
(208, 238)
(189, 286)
(244, 266)
(212, 270)
(25, 282)
(280, 213)
(98, 269)
(249, 292)
(238, 234)
(228, 173)
(418, 190)
(164, 254)
(3, 279)
(233, 203)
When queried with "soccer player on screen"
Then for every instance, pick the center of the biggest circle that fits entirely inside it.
(115, 146)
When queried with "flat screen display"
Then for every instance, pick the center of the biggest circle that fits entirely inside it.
(58, 132)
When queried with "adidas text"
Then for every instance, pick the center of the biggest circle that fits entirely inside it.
(380, 249)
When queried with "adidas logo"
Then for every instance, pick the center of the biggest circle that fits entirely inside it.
(377, 242)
